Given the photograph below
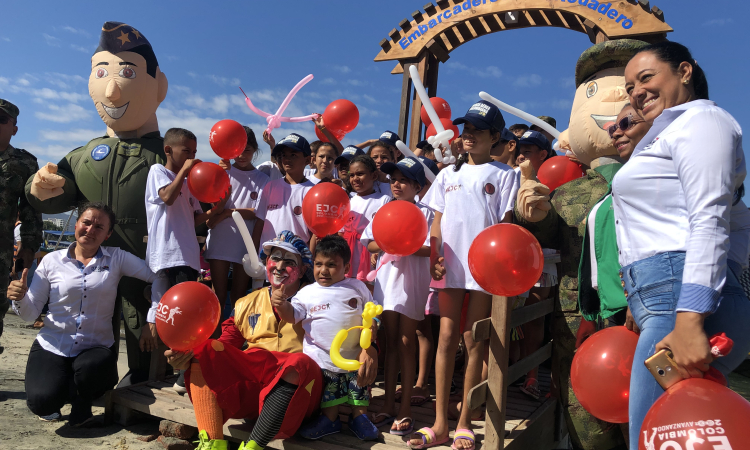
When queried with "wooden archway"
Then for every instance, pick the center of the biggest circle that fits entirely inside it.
(430, 36)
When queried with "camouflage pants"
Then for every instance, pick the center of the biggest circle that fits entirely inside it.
(586, 431)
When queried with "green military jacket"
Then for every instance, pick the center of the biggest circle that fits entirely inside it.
(112, 171)
(16, 166)
(564, 228)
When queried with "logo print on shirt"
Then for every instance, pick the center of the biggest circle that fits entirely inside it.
(453, 187)
(489, 188)
(252, 320)
(254, 195)
(297, 210)
(100, 152)
(317, 308)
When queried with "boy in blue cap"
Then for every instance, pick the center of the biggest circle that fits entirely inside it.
(282, 198)
(402, 287)
(505, 149)
(535, 148)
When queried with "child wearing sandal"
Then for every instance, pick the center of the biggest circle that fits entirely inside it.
(475, 194)
(402, 287)
(333, 303)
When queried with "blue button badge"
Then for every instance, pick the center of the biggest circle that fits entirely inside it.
(100, 152)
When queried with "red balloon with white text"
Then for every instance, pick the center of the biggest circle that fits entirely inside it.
(187, 315)
(325, 209)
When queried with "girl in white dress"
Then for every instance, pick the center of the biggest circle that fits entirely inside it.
(475, 194)
(224, 245)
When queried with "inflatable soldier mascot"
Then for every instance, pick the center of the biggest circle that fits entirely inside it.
(127, 87)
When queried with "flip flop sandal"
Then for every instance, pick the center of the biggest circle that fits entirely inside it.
(531, 388)
(379, 423)
(467, 435)
(398, 394)
(428, 439)
(419, 400)
(403, 432)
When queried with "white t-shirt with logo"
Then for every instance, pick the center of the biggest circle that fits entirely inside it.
(404, 285)
(270, 170)
(171, 229)
(224, 241)
(472, 199)
(282, 203)
(324, 311)
(362, 210)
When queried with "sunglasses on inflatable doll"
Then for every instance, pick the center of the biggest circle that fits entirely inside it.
(624, 124)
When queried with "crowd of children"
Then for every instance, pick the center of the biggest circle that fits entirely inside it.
(465, 198)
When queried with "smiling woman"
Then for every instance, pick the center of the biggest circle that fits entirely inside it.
(76, 350)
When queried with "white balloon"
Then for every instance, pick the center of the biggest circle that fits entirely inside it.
(255, 269)
(522, 114)
(407, 152)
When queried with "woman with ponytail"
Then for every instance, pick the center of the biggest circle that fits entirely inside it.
(673, 207)
(476, 194)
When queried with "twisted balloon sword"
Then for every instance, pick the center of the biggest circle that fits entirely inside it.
(274, 120)
(443, 136)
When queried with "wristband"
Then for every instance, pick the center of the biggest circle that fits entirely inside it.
(377, 321)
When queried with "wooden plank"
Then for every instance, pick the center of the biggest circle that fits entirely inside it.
(529, 18)
(520, 368)
(429, 9)
(415, 127)
(485, 25)
(158, 366)
(395, 35)
(498, 369)
(477, 395)
(403, 115)
(437, 49)
(481, 329)
(469, 26)
(538, 432)
(499, 21)
(526, 314)
(399, 69)
(417, 16)
(405, 25)
(544, 17)
(385, 45)
(446, 42)
(562, 19)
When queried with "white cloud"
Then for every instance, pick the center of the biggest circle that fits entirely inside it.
(62, 80)
(490, 72)
(358, 83)
(48, 153)
(3, 38)
(568, 82)
(562, 104)
(342, 69)
(63, 114)
(81, 49)
(76, 135)
(528, 80)
(487, 72)
(223, 81)
(369, 98)
(328, 81)
(76, 31)
(51, 40)
(23, 82)
(49, 94)
(720, 22)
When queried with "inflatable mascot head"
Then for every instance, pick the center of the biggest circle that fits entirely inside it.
(126, 83)
(600, 96)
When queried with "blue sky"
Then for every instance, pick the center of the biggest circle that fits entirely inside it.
(207, 49)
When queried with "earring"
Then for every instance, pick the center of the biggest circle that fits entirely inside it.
(685, 81)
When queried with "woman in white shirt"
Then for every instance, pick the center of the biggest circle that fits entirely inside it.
(76, 350)
(673, 206)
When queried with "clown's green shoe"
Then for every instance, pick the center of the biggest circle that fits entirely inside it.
(210, 444)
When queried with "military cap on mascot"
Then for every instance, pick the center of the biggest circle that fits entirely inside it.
(126, 86)
(600, 96)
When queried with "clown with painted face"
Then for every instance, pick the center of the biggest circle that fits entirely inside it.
(225, 382)
(126, 85)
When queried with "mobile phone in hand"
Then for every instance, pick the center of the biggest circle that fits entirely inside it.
(663, 368)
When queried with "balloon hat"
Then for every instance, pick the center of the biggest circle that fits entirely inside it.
(371, 311)
(274, 120)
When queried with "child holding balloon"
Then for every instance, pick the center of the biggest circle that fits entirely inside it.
(475, 194)
(402, 287)
(224, 245)
(363, 174)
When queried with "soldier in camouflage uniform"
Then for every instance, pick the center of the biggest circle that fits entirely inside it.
(16, 166)
(127, 87)
(599, 98)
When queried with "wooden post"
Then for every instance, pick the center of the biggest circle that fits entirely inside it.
(415, 128)
(494, 437)
(403, 118)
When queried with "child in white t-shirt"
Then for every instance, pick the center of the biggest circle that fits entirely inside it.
(381, 153)
(473, 195)
(363, 174)
(402, 287)
(224, 245)
(172, 213)
(323, 156)
(282, 198)
(333, 303)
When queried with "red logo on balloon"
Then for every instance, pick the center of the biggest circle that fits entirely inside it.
(297, 210)
(489, 188)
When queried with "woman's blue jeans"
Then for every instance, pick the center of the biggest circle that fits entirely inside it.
(652, 286)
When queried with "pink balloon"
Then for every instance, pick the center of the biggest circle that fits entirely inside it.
(274, 120)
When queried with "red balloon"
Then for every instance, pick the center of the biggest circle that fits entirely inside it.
(208, 182)
(505, 259)
(697, 414)
(447, 124)
(600, 374)
(322, 137)
(325, 209)
(557, 171)
(442, 108)
(187, 315)
(399, 228)
(228, 139)
(341, 116)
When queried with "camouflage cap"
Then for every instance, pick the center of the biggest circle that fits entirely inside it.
(549, 120)
(606, 55)
(9, 108)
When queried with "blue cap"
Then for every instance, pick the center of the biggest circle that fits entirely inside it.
(349, 153)
(423, 144)
(535, 138)
(483, 115)
(295, 142)
(506, 135)
(430, 164)
(389, 137)
(409, 167)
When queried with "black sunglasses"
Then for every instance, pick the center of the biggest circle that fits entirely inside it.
(624, 124)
